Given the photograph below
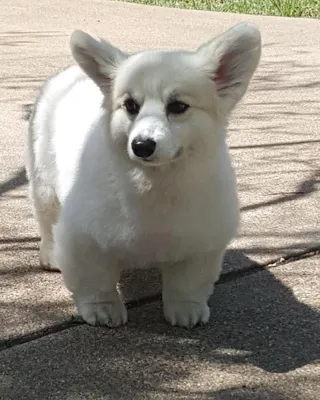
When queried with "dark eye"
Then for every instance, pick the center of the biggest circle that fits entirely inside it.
(131, 106)
(177, 107)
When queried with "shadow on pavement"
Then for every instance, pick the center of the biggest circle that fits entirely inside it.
(256, 321)
(19, 179)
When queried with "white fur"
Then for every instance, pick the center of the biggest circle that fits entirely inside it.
(100, 208)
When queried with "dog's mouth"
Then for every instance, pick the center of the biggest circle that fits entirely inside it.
(155, 162)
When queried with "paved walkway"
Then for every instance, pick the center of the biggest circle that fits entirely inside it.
(262, 341)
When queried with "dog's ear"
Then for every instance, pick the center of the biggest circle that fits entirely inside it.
(230, 61)
(98, 59)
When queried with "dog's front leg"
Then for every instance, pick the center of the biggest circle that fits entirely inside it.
(187, 287)
(100, 303)
(91, 277)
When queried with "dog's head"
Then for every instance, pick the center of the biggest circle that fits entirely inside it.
(165, 105)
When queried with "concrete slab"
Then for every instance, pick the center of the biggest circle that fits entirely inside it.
(274, 136)
(261, 343)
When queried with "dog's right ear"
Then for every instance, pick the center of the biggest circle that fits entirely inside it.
(98, 59)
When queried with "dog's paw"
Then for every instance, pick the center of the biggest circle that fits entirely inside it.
(186, 314)
(45, 259)
(112, 313)
(47, 266)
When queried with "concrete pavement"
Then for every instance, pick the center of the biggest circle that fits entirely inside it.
(262, 341)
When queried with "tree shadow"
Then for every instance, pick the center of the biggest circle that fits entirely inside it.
(280, 144)
(19, 179)
(27, 239)
(243, 393)
(304, 189)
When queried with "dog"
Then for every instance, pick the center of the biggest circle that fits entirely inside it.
(128, 167)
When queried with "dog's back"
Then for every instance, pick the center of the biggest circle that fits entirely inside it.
(67, 105)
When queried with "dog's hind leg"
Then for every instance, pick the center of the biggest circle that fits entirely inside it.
(46, 210)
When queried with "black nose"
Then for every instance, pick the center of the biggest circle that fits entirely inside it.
(143, 148)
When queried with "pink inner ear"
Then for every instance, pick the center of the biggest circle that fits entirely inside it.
(222, 74)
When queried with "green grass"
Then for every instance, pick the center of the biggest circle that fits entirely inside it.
(284, 8)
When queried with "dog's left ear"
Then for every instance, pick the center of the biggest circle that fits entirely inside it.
(98, 59)
(230, 61)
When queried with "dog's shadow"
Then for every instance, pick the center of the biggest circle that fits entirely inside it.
(256, 316)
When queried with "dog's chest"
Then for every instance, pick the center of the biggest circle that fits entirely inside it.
(163, 235)
(166, 225)
(149, 249)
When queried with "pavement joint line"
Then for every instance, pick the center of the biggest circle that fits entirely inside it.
(258, 267)
(225, 278)
(38, 334)
(66, 324)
